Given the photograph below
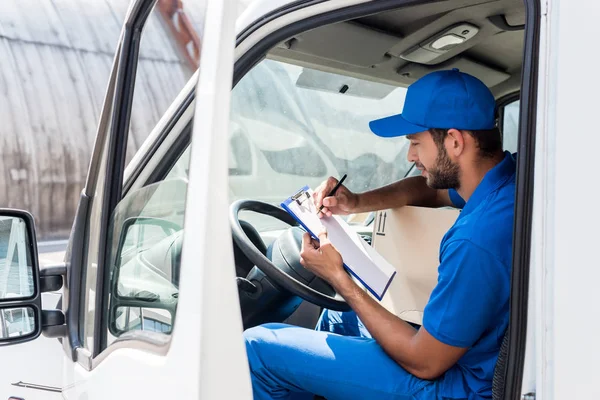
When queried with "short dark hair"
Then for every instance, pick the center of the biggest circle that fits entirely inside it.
(489, 141)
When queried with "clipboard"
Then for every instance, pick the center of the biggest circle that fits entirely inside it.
(361, 260)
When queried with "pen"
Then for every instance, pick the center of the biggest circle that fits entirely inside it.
(332, 192)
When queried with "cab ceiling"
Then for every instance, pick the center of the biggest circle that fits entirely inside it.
(373, 47)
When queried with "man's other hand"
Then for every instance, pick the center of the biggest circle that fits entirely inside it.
(342, 202)
(322, 259)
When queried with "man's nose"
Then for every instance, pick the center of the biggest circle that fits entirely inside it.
(412, 154)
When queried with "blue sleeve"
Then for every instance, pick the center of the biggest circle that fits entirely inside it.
(473, 286)
(456, 199)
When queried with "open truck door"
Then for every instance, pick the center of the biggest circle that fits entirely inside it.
(135, 323)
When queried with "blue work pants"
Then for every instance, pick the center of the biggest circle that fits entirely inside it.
(338, 360)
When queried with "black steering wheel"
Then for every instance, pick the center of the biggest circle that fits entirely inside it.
(285, 270)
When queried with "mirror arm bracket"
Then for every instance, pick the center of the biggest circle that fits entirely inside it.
(50, 283)
(52, 277)
(54, 269)
(53, 324)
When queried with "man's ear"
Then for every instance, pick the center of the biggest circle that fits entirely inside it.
(455, 142)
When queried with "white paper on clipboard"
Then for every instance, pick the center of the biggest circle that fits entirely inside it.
(362, 260)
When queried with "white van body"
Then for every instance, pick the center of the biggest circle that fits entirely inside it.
(204, 357)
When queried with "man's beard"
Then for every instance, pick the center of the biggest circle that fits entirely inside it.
(445, 173)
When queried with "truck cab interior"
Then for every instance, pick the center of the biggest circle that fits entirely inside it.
(357, 70)
(303, 101)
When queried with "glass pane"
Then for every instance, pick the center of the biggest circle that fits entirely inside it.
(143, 319)
(16, 279)
(16, 322)
(290, 127)
(169, 55)
(146, 243)
(510, 126)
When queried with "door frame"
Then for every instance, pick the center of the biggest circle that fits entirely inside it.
(524, 202)
(113, 125)
(523, 215)
(115, 166)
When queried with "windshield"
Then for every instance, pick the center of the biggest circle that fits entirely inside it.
(293, 126)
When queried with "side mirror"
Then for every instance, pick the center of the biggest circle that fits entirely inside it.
(20, 298)
(21, 316)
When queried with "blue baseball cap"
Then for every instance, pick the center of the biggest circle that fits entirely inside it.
(441, 99)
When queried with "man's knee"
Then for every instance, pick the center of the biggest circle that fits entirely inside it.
(258, 334)
(257, 338)
(261, 333)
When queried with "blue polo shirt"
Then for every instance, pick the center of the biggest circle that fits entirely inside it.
(469, 305)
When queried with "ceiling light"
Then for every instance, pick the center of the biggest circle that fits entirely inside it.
(433, 48)
(447, 41)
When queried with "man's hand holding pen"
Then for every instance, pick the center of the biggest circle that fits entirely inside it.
(334, 198)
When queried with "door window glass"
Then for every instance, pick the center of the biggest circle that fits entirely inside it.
(510, 126)
(145, 256)
(145, 220)
(169, 56)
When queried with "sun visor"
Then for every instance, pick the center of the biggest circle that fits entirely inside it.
(328, 82)
(346, 43)
(490, 76)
